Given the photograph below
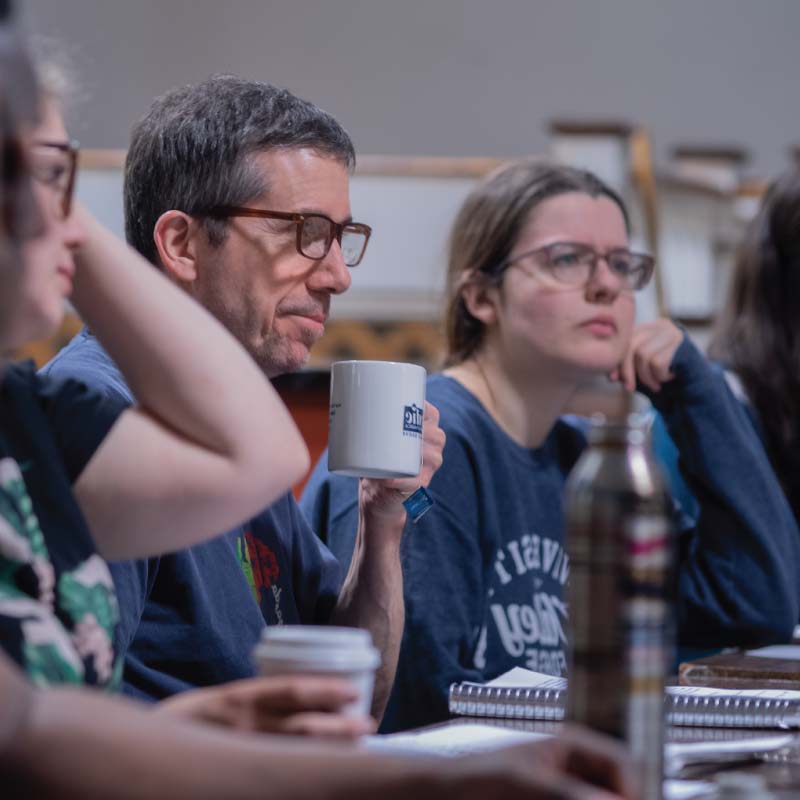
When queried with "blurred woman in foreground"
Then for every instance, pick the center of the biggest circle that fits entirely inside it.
(191, 453)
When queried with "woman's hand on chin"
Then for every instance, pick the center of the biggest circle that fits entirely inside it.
(648, 360)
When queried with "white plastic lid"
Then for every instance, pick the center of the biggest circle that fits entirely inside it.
(318, 648)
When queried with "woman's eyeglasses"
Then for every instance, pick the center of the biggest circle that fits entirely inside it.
(573, 264)
(54, 164)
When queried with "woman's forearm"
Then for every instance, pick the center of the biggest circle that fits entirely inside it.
(79, 744)
(217, 443)
(16, 702)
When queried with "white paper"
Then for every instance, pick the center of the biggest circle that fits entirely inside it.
(519, 677)
(474, 737)
(687, 790)
(702, 752)
(451, 740)
(708, 691)
(791, 652)
(525, 678)
(678, 755)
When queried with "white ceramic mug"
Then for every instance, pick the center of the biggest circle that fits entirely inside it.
(322, 650)
(376, 419)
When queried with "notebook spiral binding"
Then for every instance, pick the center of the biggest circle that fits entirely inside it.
(729, 712)
(474, 700)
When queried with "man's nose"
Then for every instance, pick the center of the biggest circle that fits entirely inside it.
(331, 274)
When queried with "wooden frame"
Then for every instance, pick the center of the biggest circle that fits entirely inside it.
(405, 166)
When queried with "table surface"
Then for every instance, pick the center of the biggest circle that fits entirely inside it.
(781, 770)
(782, 773)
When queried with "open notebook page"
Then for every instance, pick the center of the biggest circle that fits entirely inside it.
(472, 738)
(791, 652)
(519, 677)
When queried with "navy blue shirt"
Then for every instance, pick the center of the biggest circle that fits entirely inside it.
(192, 618)
(484, 570)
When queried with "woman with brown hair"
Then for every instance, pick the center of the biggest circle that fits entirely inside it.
(758, 336)
(540, 294)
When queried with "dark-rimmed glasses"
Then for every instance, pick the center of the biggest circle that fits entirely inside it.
(573, 264)
(55, 164)
(19, 212)
(315, 232)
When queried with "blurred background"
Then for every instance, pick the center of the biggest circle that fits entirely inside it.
(455, 77)
(688, 108)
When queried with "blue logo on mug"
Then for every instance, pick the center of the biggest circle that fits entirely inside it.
(412, 419)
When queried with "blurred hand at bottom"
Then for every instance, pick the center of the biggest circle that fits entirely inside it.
(295, 705)
(576, 765)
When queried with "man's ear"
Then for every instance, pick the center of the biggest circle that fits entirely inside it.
(175, 235)
(481, 301)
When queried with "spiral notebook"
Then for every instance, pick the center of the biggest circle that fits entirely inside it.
(522, 694)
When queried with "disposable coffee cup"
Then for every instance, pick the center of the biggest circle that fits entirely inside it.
(346, 653)
(376, 415)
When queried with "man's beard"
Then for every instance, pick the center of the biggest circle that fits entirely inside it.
(277, 355)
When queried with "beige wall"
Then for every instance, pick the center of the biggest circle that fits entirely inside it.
(455, 77)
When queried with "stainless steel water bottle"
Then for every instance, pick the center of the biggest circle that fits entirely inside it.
(618, 536)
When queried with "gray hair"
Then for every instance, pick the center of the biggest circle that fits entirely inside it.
(192, 151)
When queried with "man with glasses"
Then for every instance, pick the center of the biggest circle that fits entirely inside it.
(239, 192)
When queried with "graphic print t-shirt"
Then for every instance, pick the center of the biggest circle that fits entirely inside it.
(58, 610)
(484, 569)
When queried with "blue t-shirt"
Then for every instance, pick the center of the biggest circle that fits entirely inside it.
(484, 570)
(192, 618)
(58, 611)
